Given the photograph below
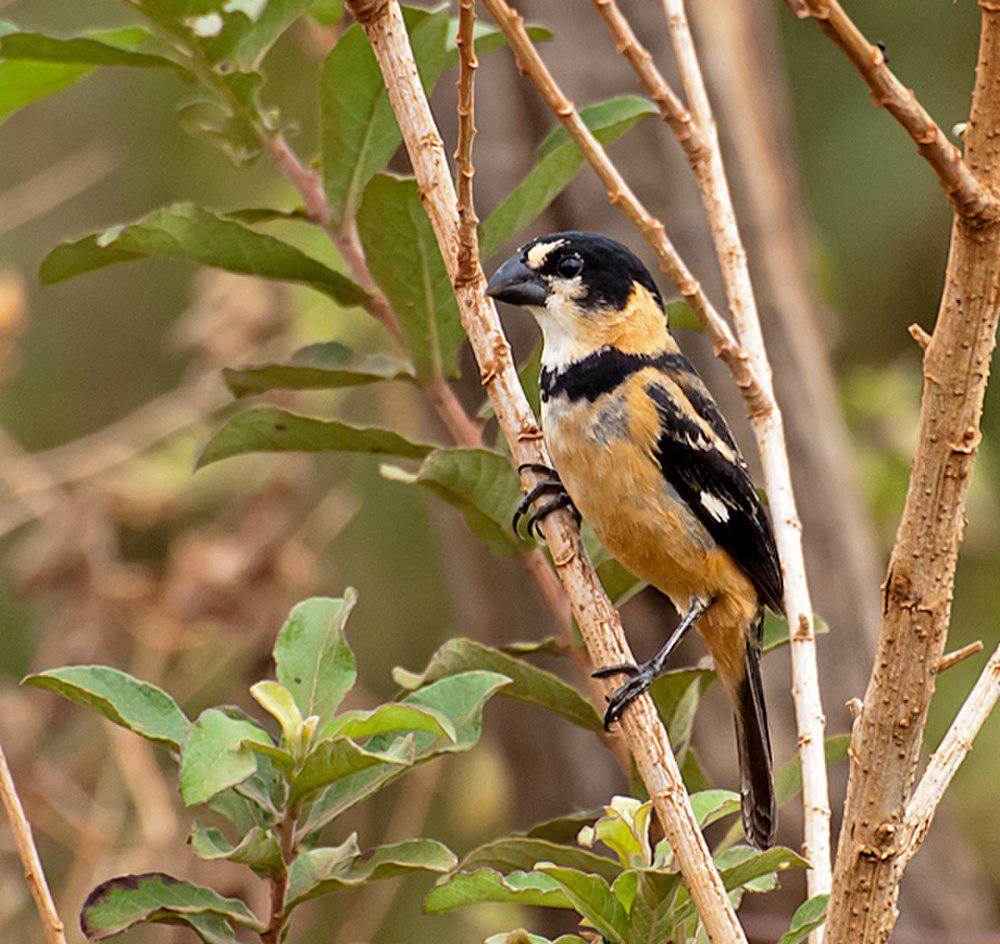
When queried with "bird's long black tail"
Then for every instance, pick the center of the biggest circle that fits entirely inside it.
(754, 746)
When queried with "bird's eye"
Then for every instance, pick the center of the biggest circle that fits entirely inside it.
(569, 266)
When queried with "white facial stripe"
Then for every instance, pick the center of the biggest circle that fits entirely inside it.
(537, 254)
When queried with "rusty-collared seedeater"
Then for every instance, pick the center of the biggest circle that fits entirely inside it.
(643, 453)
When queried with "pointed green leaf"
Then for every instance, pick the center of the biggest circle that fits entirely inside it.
(214, 757)
(483, 885)
(618, 583)
(522, 853)
(670, 690)
(310, 878)
(358, 131)
(143, 708)
(185, 231)
(520, 936)
(528, 683)
(564, 828)
(480, 483)
(386, 718)
(326, 366)
(121, 903)
(651, 916)
(808, 917)
(270, 429)
(557, 163)
(624, 829)
(403, 256)
(331, 761)
(258, 849)
(680, 315)
(313, 659)
(592, 897)
(461, 698)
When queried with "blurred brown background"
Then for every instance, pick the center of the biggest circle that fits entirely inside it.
(113, 552)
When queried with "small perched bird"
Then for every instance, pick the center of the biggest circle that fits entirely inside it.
(642, 452)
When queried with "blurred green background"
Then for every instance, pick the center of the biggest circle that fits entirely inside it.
(97, 348)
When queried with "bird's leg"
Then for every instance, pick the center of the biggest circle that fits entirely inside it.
(643, 675)
(553, 486)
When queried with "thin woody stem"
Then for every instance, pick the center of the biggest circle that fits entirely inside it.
(972, 199)
(468, 241)
(33, 871)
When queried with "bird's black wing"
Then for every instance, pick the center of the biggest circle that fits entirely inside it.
(718, 489)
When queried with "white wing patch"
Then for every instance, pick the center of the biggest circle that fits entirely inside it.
(715, 506)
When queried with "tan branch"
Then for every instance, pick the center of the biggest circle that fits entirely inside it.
(971, 197)
(950, 659)
(599, 622)
(916, 596)
(33, 871)
(705, 157)
(948, 758)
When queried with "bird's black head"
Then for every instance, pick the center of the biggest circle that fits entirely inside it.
(586, 270)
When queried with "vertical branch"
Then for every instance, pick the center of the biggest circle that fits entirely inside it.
(768, 427)
(33, 871)
(599, 622)
(468, 242)
(917, 593)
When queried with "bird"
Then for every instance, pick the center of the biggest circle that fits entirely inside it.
(641, 451)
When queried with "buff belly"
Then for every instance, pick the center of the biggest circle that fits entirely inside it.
(603, 453)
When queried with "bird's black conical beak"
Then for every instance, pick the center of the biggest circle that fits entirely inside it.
(516, 284)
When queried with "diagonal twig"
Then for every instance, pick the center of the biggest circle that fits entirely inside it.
(971, 198)
(599, 623)
(468, 241)
(948, 758)
(33, 871)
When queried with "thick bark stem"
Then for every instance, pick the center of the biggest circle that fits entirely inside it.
(918, 589)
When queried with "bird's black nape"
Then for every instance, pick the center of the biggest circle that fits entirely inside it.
(610, 270)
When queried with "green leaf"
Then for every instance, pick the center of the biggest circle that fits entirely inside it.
(403, 256)
(358, 130)
(788, 780)
(522, 854)
(326, 366)
(35, 66)
(680, 315)
(480, 483)
(83, 50)
(709, 806)
(483, 885)
(223, 127)
(313, 659)
(269, 429)
(564, 828)
(185, 231)
(624, 829)
(557, 162)
(651, 916)
(214, 757)
(311, 875)
(258, 849)
(461, 698)
(143, 708)
(331, 761)
(808, 917)
(123, 902)
(670, 690)
(326, 12)
(618, 583)
(520, 936)
(386, 718)
(592, 897)
(528, 683)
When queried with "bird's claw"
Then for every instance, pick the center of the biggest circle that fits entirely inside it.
(623, 668)
(641, 678)
(552, 487)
